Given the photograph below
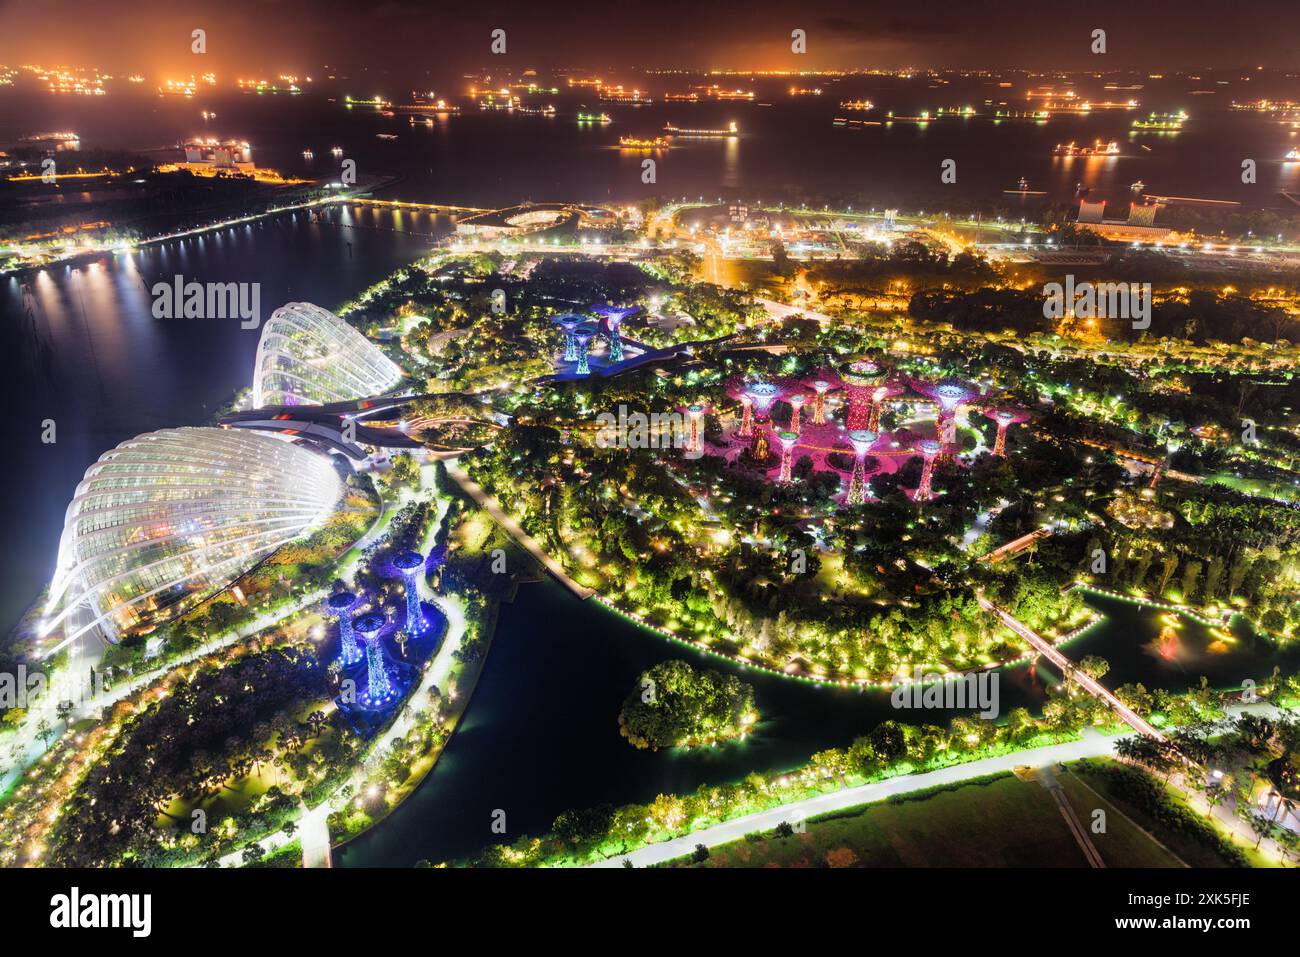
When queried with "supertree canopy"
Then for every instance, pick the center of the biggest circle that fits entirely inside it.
(340, 604)
(409, 564)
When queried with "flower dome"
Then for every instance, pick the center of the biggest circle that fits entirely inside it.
(168, 518)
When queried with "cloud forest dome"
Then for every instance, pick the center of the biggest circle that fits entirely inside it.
(167, 518)
(309, 356)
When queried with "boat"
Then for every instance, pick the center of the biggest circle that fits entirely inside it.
(731, 130)
(594, 118)
(307, 154)
(1293, 156)
(1097, 149)
(1137, 187)
(1022, 189)
(337, 150)
(640, 143)
(385, 136)
(860, 105)
(1161, 122)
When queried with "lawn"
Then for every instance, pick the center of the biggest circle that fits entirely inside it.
(1000, 822)
(1124, 843)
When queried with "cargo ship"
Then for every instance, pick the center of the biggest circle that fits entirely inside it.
(731, 130)
(1161, 122)
(594, 118)
(1097, 149)
(640, 143)
(860, 105)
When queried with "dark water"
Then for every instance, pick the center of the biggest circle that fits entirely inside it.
(1172, 652)
(92, 357)
(541, 732)
(787, 148)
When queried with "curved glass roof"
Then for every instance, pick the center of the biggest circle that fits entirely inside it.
(309, 356)
(168, 518)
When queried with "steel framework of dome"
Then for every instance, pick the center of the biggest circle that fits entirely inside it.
(169, 518)
(309, 356)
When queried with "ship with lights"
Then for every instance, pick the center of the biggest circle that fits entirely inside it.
(1098, 148)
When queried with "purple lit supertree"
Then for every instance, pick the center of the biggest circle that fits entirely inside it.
(583, 335)
(862, 440)
(1005, 418)
(379, 689)
(339, 604)
(788, 441)
(860, 380)
(569, 323)
(796, 403)
(821, 387)
(929, 450)
(409, 564)
(614, 317)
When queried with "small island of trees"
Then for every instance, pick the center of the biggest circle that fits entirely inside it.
(675, 705)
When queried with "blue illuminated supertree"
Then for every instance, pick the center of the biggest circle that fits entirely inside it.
(568, 323)
(379, 690)
(410, 564)
(583, 335)
(614, 317)
(339, 605)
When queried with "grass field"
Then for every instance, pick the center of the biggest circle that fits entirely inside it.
(998, 822)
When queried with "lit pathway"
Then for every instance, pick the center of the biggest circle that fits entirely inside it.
(1067, 667)
(1090, 745)
(488, 502)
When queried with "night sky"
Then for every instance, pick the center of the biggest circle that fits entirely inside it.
(448, 39)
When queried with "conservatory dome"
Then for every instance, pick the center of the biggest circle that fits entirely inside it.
(168, 518)
(309, 356)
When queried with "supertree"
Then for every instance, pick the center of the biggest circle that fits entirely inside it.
(929, 449)
(787, 440)
(862, 440)
(860, 379)
(569, 323)
(379, 690)
(949, 395)
(796, 403)
(583, 335)
(614, 317)
(339, 604)
(694, 431)
(763, 394)
(747, 416)
(820, 387)
(409, 564)
(1005, 418)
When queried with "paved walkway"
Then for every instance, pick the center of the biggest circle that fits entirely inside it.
(1090, 745)
(526, 541)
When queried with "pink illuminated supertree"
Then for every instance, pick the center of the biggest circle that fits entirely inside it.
(747, 417)
(796, 402)
(694, 431)
(762, 395)
(949, 396)
(860, 380)
(929, 450)
(821, 387)
(862, 440)
(1005, 418)
(788, 441)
